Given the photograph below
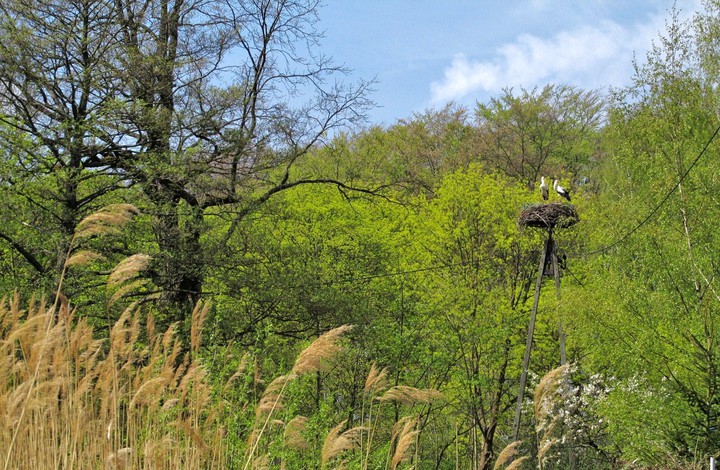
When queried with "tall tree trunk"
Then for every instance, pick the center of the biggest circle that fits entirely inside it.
(178, 268)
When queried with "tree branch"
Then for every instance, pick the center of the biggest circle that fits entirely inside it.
(29, 257)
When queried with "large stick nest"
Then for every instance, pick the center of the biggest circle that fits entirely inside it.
(554, 214)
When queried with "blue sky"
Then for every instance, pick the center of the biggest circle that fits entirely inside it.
(425, 53)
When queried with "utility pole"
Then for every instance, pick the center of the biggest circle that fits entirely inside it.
(529, 339)
(549, 217)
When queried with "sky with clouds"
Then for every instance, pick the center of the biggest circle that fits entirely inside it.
(425, 53)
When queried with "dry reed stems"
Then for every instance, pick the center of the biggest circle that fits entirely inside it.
(107, 220)
(99, 403)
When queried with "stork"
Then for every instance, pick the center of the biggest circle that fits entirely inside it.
(543, 188)
(560, 190)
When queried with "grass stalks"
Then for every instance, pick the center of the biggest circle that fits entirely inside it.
(68, 400)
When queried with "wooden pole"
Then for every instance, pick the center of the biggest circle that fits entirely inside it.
(531, 331)
(556, 274)
(561, 333)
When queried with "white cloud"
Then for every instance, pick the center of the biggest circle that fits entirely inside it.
(587, 56)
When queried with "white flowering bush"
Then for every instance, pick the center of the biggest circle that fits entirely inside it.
(567, 423)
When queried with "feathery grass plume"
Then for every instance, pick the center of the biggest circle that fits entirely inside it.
(124, 333)
(199, 315)
(242, 365)
(83, 257)
(376, 379)
(294, 438)
(406, 436)
(337, 443)
(545, 394)
(271, 399)
(149, 392)
(25, 333)
(314, 357)
(410, 395)
(128, 268)
(107, 220)
(126, 289)
(517, 463)
(507, 454)
(544, 447)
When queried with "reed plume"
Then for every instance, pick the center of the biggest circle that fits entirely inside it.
(376, 380)
(199, 315)
(294, 438)
(107, 220)
(83, 257)
(517, 463)
(546, 394)
(406, 433)
(545, 398)
(271, 399)
(507, 454)
(314, 357)
(128, 268)
(337, 443)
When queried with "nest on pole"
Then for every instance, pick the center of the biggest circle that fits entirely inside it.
(552, 215)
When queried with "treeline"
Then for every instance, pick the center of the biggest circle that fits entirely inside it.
(205, 239)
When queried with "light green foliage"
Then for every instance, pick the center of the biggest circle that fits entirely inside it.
(409, 232)
(650, 309)
(551, 130)
(475, 301)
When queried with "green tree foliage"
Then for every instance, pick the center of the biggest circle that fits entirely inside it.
(131, 91)
(650, 308)
(478, 303)
(53, 93)
(548, 131)
(294, 227)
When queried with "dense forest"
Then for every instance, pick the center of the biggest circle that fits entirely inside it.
(209, 259)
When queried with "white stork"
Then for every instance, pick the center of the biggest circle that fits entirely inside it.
(543, 188)
(561, 191)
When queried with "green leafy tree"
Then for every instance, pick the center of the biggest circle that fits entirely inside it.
(540, 132)
(476, 302)
(656, 328)
(135, 91)
(54, 90)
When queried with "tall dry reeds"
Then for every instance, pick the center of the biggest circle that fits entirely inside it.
(69, 400)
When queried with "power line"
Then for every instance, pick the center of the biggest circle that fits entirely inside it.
(659, 205)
